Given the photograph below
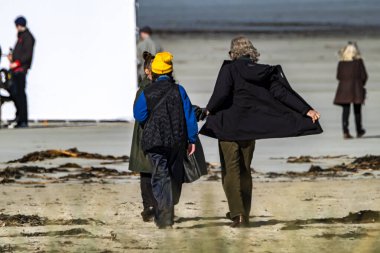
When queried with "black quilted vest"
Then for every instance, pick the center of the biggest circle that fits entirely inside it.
(165, 127)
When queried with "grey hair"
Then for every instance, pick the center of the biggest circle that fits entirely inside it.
(242, 46)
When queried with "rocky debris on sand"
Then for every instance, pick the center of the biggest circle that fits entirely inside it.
(349, 235)
(20, 220)
(367, 162)
(6, 248)
(70, 170)
(97, 172)
(301, 159)
(360, 164)
(70, 166)
(7, 181)
(361, 217)
(68, 153)
(10, 172)
(70, 232)
(308, 159)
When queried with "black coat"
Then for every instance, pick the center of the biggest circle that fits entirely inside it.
(23, 51)
(352, 77)
(255, 101)
(139, 162)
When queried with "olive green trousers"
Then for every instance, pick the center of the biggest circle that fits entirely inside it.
(236, 157)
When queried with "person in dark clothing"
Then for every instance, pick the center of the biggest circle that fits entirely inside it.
(169, 124)
(251, 101)
(138, 160)
(352, 77)
(146, 43)
(20, 62)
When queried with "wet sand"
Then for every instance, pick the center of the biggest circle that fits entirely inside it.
(98, 210)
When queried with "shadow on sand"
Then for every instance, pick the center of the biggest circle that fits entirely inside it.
(371, 137)
(361, 217)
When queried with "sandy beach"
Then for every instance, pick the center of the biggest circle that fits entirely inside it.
(99, 211)
(68, 201)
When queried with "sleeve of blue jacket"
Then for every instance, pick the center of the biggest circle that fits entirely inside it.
(191, 121)
(140, 109)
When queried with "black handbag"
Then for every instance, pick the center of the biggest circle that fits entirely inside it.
(194, 165)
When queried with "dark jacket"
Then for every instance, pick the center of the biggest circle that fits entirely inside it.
(352, 77)
(138, 161)
(23, 51)
(172, 123)
(255, 101)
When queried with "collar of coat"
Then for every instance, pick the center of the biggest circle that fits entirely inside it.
(19, 34)
(163, 77)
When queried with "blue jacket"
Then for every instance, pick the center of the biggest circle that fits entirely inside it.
(140, 112)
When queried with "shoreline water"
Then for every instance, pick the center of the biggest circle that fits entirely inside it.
(283, 29)
(258, 15)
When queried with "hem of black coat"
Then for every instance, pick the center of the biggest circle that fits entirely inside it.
(211, 134)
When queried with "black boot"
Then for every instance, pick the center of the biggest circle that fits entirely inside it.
(347, 135)
(358, 121)
(148, 214)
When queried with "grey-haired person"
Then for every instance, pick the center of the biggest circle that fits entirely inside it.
(251, 101)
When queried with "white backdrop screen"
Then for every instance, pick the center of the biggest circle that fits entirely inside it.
(84, 64)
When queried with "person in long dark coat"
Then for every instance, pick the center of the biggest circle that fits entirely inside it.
(251, 101)
(139, 162)
(352, 77)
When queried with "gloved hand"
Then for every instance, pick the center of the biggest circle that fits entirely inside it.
(203, 115)
(200, 113)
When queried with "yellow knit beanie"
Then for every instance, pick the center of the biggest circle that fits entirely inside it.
(162, 63)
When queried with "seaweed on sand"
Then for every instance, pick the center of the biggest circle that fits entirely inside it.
(70, 232)
(361, 217)
(369, 162)
(20, 220)
(68, 153)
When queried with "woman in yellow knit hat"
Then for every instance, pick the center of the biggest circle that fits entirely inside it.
(165, 111)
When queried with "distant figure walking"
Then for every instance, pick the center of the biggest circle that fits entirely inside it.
(20, 61)
(146, 44)
(352, 77)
